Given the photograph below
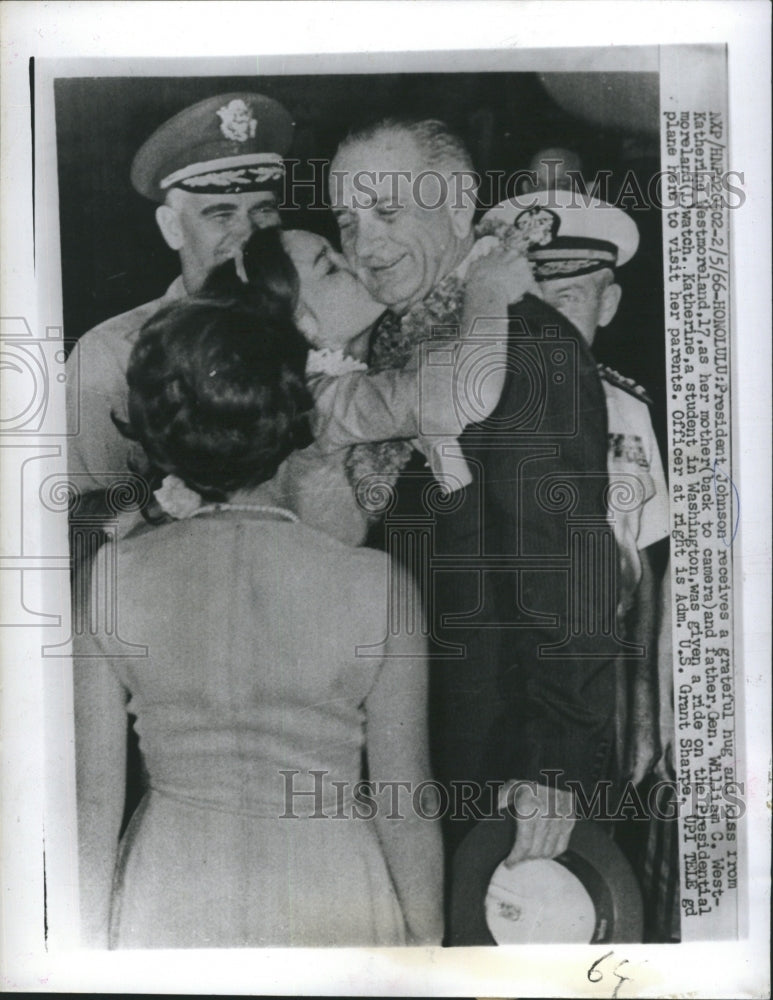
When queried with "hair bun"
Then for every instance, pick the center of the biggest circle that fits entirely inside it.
(217, 390)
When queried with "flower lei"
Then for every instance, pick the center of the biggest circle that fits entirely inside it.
(370, 466)
(326, 361)
(373, 469)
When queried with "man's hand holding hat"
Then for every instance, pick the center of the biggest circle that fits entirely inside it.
(544, 817)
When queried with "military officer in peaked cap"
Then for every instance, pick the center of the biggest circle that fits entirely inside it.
(576, 246)
(216, 171)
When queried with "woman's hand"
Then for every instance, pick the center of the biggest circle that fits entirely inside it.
(500, 277)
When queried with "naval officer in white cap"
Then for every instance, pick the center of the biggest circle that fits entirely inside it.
(216, 170)
(575, 246)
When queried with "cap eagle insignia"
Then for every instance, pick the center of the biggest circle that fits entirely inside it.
(236, 121)
(539, 225)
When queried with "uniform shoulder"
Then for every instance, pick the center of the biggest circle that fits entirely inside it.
(614, 378)
(101, 356)
(126, 325)
(122, 325)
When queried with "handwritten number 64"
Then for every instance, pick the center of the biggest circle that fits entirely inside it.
(595, 975)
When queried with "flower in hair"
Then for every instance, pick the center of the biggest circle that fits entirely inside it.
(177, 499)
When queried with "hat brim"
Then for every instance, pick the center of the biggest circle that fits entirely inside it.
(592, 857)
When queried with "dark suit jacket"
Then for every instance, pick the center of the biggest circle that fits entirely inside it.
(518, 572)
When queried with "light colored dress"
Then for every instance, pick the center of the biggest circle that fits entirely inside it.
(252, 683)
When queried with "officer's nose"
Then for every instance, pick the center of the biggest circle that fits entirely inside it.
(267, 217)
(242, 227)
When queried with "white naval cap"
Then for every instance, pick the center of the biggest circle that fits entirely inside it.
(569, 234)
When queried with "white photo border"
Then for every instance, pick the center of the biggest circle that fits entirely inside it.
(107, 30)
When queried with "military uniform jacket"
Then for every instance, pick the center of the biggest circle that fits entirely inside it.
(96, 387)
(638, 495)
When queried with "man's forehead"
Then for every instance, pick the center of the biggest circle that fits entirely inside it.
(196, 202)
(387, 153)
(581, 281)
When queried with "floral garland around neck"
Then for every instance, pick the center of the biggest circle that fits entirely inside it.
(373, 469)
(396, 337)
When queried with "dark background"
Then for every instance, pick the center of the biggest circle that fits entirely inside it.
(113, 257)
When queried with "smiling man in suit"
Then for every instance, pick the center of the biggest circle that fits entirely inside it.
(523, 678)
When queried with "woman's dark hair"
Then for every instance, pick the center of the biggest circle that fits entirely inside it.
(272, 284)
(217, 393)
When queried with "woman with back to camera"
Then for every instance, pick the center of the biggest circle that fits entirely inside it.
(269, 663)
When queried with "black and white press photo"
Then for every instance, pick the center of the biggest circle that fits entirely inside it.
(376, 473)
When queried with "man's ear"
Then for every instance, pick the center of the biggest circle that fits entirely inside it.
(610, 300)
(168, 222)
(461, 203)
